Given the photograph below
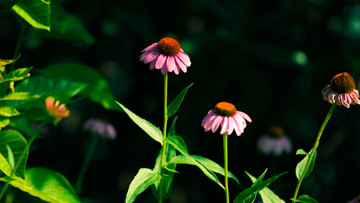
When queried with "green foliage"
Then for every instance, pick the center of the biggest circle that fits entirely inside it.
(178, 143)
(4, 122)
(8, 111)
(97, 89)
(47, 185)
(154, 132)
(255, 188)
(300, 167)
(17, 144)
(266, 194)
(35, 12)
(143, 179)
(10, 157)
(18, 96)
(305, 199)
(16, 75)
(207, 163)
(174, 105)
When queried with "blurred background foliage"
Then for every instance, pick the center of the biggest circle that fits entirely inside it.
(270, 58)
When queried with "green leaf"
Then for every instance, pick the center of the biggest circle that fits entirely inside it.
(207, 163)
(300, 167)
(174, 105)
(179, 144)
(256, 187)
(8, 111)
(10, 157)
(142, 180)
(17, 143)
(266, 194)
(35, 12)
(47, 185)
(65, 26)
(4, 122)
(16, 75)
(305, 199)
(97, 89)
(19, 96)
(150, 129)
(59, 88)
(4, 62)
(301, 152)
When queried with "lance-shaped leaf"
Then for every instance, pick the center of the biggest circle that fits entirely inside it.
(150, 129)
(16, 75)
(143, 179)
(8, 111)
(266, 194)
(19, 96)
(179, 144)
(305, 199)
(35, 12)
(4, 121)
(301, 166)
(174, 105)
(4, 62)
(47, 185)
(17, 144)
(256, 187)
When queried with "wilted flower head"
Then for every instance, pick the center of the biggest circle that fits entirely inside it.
(230, 119)
(55, 109)
(166, 55)
(341, 90)
(274, 142)
(100, 127)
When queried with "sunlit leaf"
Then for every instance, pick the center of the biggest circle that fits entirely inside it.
(178, 143)
(17, 143)
(35, 12)
(305, 199)
(16, 75)
(150, 129)
(4, 122)
(47, 185)
(8, 111)
(266, 194)
(10, 157)
(97, 88)
(300, 167)
(301, 152)
(4, 62)
(142, 180)
(174, 105)
(19, 96)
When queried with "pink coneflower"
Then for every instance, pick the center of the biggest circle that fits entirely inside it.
(274, 142)
(100, 128)
(230, 119)
(341, 90)
(167, 56)
(55, 109)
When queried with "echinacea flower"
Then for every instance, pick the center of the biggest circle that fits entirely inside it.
(55, 109)
(167, 56)
(341, 90)
(226, 115)
(274, 142)
(101, 128)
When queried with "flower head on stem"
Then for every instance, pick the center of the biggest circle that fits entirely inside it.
(341, 90)
(167, 56)
(55, 109)
(274, 142)
(100, 127)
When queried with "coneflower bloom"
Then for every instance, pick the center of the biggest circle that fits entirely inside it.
(226, 115)
(274, 142)
(167, 56)
(101, 128)
(55, 109)
(341, 90)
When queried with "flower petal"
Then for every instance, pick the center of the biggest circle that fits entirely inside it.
(160, 61)
(170, 63)
(224, 125)
(216, 123)
(184, 58)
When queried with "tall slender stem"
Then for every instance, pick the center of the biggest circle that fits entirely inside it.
(22, 156)
(316, 144)
(19, 42)
(166, 77)
(225, 145)
(86, 163)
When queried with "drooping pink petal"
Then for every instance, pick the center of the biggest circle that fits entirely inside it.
(170, 63)
(153, 62)
(160, 61)
(154, 45)
(111, 131)
(150, 56)
(184, 58)
(180, 64)
(244, 115)
(224, 125)
(216, 123)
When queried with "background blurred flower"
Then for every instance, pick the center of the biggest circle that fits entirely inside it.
(55, 109)
(274, 142)
(355, 200)
(225, 113)
(101, 128)
(341, 90)
(167, 56)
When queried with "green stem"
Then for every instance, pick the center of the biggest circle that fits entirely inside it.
(86, 163)
(22, 156)
(225, 144)
(316, 144)
(19, 42)
(166, 78)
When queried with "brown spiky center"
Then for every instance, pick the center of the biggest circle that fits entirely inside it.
(225, 109)
(168, 46)
(276, 132)
(342, 83)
